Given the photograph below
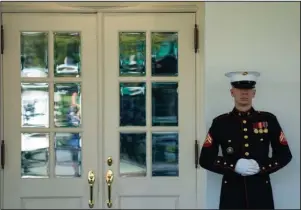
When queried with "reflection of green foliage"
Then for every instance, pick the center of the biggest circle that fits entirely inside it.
(171, 148)
(64, 105)
(66, 44)
(131, 43)
(158, 38)
(34, 48)
(65, 100)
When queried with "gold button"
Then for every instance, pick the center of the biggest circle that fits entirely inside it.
(246, 154)
(218, 161)
(229, 141)
(246, 145)
(245, 129)
(263, 168)
(231, 165)
(246, 137)
(276, 163)
(225, 163)
(270, 165)
(244, 121)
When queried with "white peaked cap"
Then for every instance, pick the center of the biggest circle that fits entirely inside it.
(238, 76)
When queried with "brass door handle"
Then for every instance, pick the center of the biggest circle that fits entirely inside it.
(91, 181)
(109, 181)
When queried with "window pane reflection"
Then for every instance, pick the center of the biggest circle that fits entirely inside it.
(34, 155)
(68, 154)
(34, 54)
(67, 55)
(165, 154)
(34, 105)
(132, 154)
(132, 104)
(67, 105)
(164, 54)
(164, 103)
(132, 47)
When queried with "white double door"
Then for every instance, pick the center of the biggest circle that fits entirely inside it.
(105, 98)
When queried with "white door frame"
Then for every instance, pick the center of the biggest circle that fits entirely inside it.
(125, 7)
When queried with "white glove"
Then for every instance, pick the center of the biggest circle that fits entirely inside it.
(246, 167)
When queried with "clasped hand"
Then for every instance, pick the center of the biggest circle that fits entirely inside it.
(246, 167)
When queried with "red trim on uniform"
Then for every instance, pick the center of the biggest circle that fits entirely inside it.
(208, 141)
(282, 139)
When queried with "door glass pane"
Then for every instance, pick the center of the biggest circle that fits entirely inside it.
(67, 104)
(34, 54)
(132, 48)
(67, 54)
(164, 103)
(132, 104)
(34, 105)
(34, 155)
(68, 154)
(165, 156)
(164, 53)
(132, 154)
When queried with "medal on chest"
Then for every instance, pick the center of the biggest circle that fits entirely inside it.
(255, 128)
(260, 127)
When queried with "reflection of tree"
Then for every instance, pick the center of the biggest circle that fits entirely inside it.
(131, 43)
(68, 113)
(66, 44)
(34, 48)
(159, 38)
(132, 104)
(133, 147)
(165, 148)
(165, 103)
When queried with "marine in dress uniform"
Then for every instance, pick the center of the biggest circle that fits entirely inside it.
(245, 139)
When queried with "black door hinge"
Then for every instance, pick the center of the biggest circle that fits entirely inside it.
(2, 39)
(196, 38)
(2, 154)
(196, 154)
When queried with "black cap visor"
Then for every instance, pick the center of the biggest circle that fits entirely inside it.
(244, 84)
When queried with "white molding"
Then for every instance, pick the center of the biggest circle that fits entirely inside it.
(200, 106)
(94, 7)
(132, 7)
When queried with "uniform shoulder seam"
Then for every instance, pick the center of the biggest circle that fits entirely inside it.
(219, 117)
(267, 113)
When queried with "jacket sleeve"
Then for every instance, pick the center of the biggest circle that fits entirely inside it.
(209, 158)
(281, 154)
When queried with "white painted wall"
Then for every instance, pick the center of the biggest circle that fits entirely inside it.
(262, 36)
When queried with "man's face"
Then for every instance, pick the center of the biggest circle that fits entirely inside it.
(243, 97)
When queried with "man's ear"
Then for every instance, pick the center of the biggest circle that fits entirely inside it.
(254, 93)
(231, 91)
